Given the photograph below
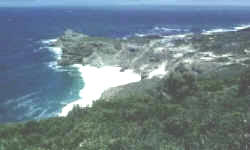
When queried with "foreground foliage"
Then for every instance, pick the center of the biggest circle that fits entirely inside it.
(185, 114)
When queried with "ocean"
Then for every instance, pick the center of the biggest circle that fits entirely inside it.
(32, 86)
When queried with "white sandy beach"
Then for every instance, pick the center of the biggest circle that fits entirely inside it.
(96, 81)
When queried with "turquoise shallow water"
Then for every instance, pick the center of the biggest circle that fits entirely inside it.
(33, 87)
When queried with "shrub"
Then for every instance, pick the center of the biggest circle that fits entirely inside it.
(244, 84)
(181, 84)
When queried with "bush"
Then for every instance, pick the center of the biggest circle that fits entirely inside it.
(244, 84)
(181, 84)
(202, 120)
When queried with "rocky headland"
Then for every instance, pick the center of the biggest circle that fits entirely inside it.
(201, 53)
(192, 93)
(218, 55)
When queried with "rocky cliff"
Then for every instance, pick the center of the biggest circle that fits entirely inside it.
(219, 55)
(203, 54)
(200, 103)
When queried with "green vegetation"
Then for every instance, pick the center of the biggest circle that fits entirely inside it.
(184, 114)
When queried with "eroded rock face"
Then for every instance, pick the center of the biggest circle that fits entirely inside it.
(215, 54)
(218, 56)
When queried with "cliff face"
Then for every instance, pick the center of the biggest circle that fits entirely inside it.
(204, 54)
(202, 103)
(218, 56)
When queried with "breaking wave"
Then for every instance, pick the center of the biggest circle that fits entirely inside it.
(222, 30)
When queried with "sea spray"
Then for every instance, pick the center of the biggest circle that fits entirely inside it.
(54, 49)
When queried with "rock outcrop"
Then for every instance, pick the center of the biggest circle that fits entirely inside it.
(202, 103)
(218, 54)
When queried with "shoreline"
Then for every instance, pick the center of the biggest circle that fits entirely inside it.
(223, 30)
(96, 81)
(54, 49)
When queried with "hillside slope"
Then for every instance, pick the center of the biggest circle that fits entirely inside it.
(201, 103)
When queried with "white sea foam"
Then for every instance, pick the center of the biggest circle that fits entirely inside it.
(159, 49)
(165, 29)
(41, 114)
(140, 35)
(188, 61)
(247, 51)
(49, 41)
(57, 51)
(175, 36)
(218, 30)
(242, 27)
(178, 55)
(160, 31)
(96, 81)
(54, 66)
(21, 98)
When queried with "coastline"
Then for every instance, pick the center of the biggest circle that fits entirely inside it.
(221, 30)
(169, 78)
(54, 49)
(96, 81)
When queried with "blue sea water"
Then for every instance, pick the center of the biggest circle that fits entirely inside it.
(33, 87)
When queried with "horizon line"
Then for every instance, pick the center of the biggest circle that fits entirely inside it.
(123, 5)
